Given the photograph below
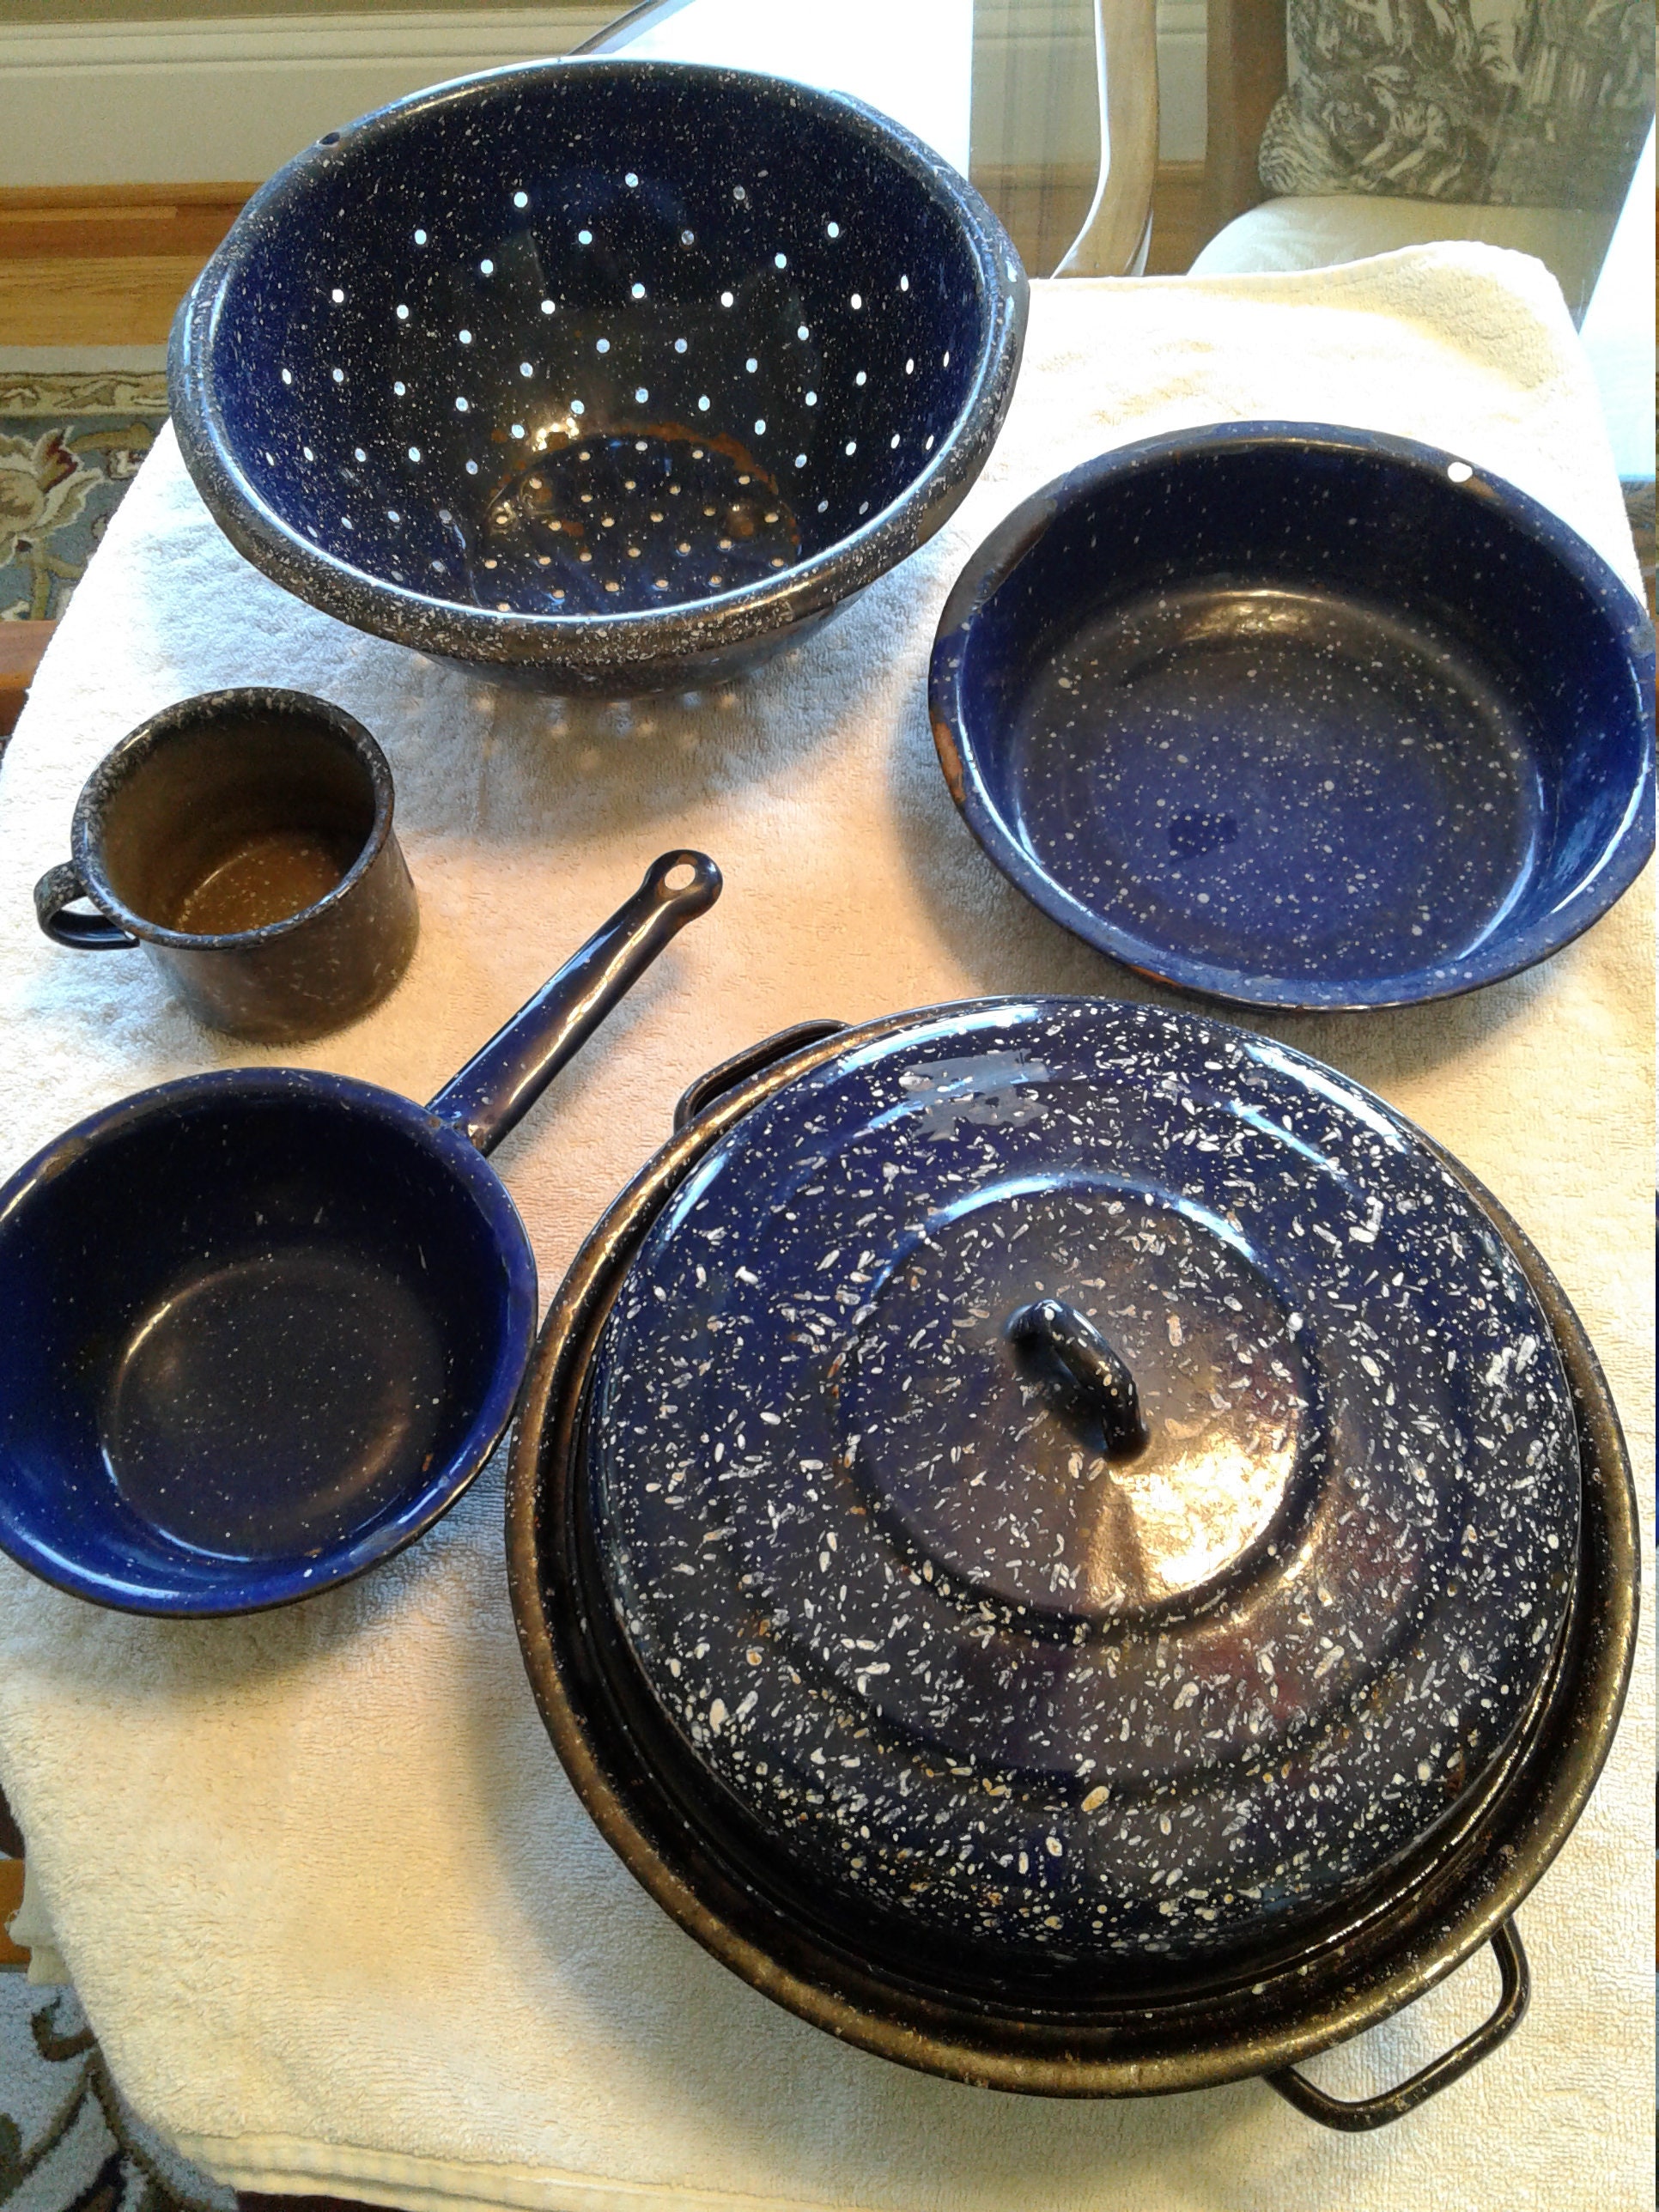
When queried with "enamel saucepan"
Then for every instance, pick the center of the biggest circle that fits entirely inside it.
(262, 1327)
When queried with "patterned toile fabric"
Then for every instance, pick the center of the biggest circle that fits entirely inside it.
(1525, 103)
(70, 445)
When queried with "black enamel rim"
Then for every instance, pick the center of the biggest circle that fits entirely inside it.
(592, 645)
(1436, 1912)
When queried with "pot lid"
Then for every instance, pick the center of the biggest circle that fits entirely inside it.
(1084, 1478)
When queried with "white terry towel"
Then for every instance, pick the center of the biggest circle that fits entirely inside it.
(324, 1891)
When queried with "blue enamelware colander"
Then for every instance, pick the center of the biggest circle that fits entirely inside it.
(615, 373)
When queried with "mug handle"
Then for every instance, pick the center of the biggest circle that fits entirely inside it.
(1356, 2116)
(56, 892)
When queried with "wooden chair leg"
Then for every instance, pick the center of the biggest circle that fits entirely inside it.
(12, 1954)
(1246, 71)
(1117, 230)
(21, 646)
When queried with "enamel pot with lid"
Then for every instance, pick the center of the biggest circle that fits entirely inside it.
(1070, 1545)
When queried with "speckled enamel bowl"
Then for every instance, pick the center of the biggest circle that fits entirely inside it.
(610, 374)
(1070, 1545)
(1300, 716)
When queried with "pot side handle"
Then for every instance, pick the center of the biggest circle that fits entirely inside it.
(500, 1083)
(742, 1064)
(1358, 2115)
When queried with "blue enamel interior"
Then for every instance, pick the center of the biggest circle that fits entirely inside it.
(1281, 716)
(613, 338)
(260, 1332)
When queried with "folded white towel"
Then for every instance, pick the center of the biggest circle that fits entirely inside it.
(327, 1899)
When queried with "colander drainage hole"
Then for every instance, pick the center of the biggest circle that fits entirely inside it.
(584, 529)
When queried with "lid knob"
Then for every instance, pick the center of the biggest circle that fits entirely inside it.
(1070, 1338)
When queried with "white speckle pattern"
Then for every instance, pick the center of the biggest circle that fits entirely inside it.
(1112, 1708)
(569, 300)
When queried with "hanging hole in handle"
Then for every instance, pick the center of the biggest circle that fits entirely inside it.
(1360, 2115)
(681, 884)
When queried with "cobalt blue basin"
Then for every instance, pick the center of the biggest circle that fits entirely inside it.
(609, 373)
(264, 1325)
(1300, 716)
(259, 1328)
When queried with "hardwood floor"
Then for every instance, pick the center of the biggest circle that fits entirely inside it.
(49, 221)
(106, 265)
(21, 646)
(93, 300)
(12, 1955)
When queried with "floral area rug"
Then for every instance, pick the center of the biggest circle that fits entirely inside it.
(70, 445)
(68, 2143)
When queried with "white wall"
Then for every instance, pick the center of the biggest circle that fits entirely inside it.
(172, 103)
(1619, 326)
(208, 101)
(913, 61)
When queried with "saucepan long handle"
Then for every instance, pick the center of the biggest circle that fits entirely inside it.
(499, 1084)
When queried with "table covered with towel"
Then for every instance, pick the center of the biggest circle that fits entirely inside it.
(335, 1915)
